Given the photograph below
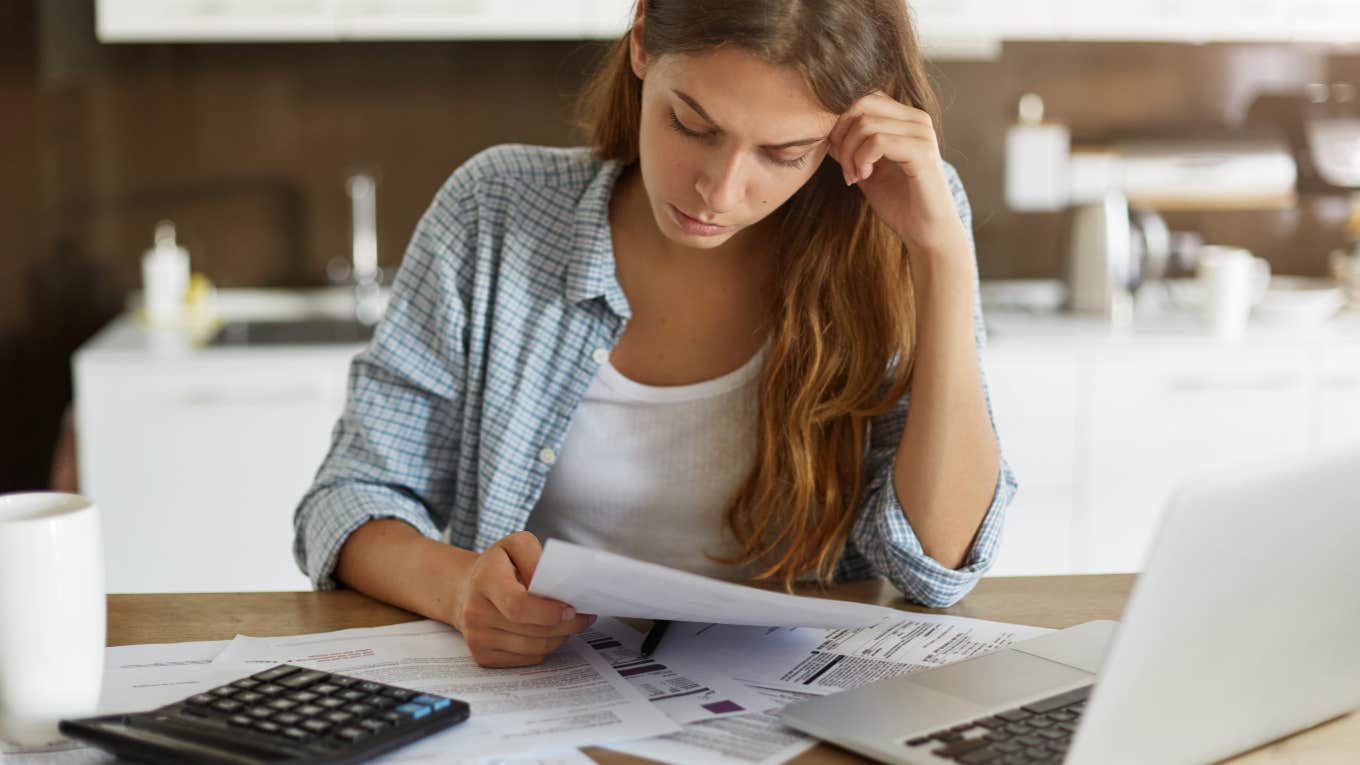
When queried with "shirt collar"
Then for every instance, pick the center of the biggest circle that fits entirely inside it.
(591, 274)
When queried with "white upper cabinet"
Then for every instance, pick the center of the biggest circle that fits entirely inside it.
(458, 19)
(214, 20)
(942, 24)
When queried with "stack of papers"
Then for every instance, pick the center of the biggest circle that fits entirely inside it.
(709, 694)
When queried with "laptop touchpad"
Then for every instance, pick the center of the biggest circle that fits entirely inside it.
(1003, 677)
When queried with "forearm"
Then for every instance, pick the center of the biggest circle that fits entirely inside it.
(390, 560)
(948, 460)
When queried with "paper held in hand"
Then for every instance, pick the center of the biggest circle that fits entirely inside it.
(598, 582)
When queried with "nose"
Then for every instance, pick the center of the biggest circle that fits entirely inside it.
(722, 184)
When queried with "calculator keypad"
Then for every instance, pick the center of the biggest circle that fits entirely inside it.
(311, 707)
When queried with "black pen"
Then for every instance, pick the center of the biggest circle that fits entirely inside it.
(654, 635)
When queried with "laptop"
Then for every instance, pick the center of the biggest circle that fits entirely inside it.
(1240, 630)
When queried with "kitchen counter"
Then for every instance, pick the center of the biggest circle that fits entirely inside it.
(128, 337)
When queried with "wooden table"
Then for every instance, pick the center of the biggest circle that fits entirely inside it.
(1059, 601)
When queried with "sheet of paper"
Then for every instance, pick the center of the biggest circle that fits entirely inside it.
(686, 695)
(598, 582)
(136, 678)
(757, 738)
(822, 661)
(572, 699)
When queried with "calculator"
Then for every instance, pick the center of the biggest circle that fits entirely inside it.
(286, 714)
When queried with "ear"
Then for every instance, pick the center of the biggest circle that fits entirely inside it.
(637, 56)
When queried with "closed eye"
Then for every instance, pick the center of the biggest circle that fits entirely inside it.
(680, 128)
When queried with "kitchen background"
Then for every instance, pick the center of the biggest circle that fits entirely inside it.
(246, 147)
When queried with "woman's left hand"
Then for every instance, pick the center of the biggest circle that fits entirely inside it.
(889, 149)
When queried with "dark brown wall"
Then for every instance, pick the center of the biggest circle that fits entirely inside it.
(246, 148)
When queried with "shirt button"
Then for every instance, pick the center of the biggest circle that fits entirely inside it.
(601, 355)
(547, 456)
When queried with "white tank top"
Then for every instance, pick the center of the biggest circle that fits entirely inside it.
(648, 472)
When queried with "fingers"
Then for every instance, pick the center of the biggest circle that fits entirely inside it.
(524, 551)
(877, 127)
(495, 642)
(515, 603)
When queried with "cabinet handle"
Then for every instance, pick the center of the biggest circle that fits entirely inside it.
(1198, 384)
(295, 394)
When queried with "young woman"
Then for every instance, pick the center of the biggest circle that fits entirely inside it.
(692, 343)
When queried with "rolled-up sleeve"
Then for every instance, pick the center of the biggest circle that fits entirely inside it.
(882, 541)
(393, 449)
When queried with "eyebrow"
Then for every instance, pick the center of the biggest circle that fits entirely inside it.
(785, 145)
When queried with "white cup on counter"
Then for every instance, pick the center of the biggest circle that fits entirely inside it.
(1233, 280)
(52, 614)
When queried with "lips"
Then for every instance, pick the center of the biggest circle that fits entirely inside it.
(692, 225)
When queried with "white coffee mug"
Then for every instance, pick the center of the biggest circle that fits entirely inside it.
(52, 608)
(1233, 281)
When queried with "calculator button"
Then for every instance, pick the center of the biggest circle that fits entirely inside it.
(380, 702)
(352, 695)
(248, 697)
(269, 689)
(260, 713)
(369, 687)
(359, 709)
(225, 691)
(438, 702)
(246, 683)
(267, 726)
(200, 700)
(297, 734)
(392, 717)
(316, 726)
(351, 734)
(325, 688)
(414, 711)
(241, 720)
(309, 710)
(330, 702)
(270, 675)
(339, 718)
(400, 694)
(303, 680)
(303, 697)
(282, 704)
(373, 726)
(288, 718)
(226, 705)
(342, 681)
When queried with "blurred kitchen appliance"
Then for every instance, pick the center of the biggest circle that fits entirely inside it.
(1117, 238)
(1101, 266)
(1321, 123)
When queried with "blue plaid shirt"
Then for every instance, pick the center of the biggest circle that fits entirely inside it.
(457, 407)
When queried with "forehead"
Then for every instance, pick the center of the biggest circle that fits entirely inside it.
(745, 94)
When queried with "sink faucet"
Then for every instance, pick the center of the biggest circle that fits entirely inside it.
(364, 248)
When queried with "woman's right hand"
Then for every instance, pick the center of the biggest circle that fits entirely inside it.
(504, 624)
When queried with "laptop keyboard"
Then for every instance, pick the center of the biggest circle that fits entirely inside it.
(1037, 733)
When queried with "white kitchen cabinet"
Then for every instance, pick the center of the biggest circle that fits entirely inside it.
(458, 19)
(1336, 407)
(1325, 20)
(198, 457)
(1160, 417)
(1039, 401)
(214, 20)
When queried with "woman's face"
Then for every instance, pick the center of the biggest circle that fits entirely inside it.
(725, 140)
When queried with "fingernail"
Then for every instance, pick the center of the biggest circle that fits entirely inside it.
(568, 614)
(866, 170)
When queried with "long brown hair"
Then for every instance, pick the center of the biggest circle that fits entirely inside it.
(844, 314)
